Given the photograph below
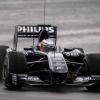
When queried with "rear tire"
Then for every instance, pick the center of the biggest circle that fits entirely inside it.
(2, 56)
(15, 63)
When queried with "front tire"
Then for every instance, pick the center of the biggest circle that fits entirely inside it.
(15, 63)
(94, 87)
(93, 66)
(93, 63)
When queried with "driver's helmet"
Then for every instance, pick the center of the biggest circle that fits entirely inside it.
(46, 45)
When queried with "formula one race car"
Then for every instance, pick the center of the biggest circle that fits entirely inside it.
(45, 63)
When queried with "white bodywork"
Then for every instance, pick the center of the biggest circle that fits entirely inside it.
(57, 62)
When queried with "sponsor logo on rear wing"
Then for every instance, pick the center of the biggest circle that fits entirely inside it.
(34, 31)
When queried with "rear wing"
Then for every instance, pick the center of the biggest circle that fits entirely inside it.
(30, 31)
(25, 31)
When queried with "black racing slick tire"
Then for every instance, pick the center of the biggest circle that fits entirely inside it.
(2, 56)
(15, 63)
(94, 87)
(93, 63)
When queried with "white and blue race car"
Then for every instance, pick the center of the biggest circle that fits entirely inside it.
(45, 63)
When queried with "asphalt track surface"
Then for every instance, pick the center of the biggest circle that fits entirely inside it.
(78, 24)
(48, 93)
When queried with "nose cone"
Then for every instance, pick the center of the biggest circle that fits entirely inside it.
(57, 62)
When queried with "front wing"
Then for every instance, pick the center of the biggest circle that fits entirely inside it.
(34, 80)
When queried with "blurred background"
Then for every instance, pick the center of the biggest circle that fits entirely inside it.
(78, 21)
